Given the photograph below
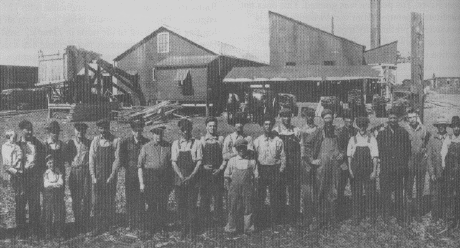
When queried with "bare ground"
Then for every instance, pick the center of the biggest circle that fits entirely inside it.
(424, 234)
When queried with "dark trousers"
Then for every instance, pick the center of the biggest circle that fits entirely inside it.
(393, 181)
(80, 191)
(362, 203)
(133, 200)
(156, 196)
(416, 175)
(53, 210)
(31, 197)
(290, 182)
(453, 192)
(438, 199)
(104, 203)
(269, 177)
(187, 197)
(343, 181)
(212, 189)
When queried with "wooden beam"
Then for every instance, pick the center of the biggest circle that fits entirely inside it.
(417, 58)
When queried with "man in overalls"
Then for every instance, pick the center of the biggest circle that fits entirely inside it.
(419, 137)
(308, 187)
(450, 154)
(363, 153)
(186, 156)
(326, 155)
(290, 135)
(104, 159)
(346, 132)
(269, 149)
(436, 170)
(155, 174)
(212, 174)
(129, 153)
(394, 153)
(77, 151)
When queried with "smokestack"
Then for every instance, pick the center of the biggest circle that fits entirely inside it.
(332, 31)
(375, 23)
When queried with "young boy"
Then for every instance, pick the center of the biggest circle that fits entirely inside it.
(53, 198)
(240, 174)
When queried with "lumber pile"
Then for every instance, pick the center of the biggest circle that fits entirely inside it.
(153, 115)
(92, 112)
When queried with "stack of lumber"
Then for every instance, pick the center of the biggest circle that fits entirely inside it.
(92, 112)
(157, 114)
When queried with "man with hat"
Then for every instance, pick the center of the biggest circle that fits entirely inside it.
(34, 166)
(363, 153)
(104, 159)
(271, 158)
(308, 189)
(77, 151)
(324, 153)
(436, 170)
(394, 153)
(450, 154)
(290, 135)
(228, 149)
(155, 180)
(419, 137)
(347, 131)
(130, 148)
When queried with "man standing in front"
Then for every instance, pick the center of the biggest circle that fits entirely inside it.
(346, 132)
(436, 170)
(34, 167)
(212, 175)
(228, 149)
(323, 151)
(129, 153)
(419, 137)
(394, 153)
(270, 155)
(290, 178)
(308, 187)
(104, 159)
(450, 154)
(155, 179)
(77, 151)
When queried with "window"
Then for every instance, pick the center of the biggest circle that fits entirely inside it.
(290, 63)
(329, 63)
(163, 42)
(153, 74)
(184, 81)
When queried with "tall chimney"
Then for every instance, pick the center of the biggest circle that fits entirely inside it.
(375, 23)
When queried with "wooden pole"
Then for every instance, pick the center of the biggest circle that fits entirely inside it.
(417, 58)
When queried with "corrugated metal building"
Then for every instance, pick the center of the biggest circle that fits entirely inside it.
(295, 43)
(182, 67)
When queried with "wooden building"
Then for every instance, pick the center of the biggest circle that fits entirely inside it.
(295, 43)
(12, 76)
(185, 68)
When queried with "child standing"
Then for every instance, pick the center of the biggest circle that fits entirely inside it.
(240, 174)
(53, 198)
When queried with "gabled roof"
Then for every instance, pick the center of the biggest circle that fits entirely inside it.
(311, 27)
(385, 54)
(301, 73)
(186, 61)
(211, 46)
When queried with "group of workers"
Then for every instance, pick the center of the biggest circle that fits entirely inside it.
(304, 169)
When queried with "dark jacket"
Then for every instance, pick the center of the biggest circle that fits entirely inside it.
(394, 148)
(129, 152)
(313, 146)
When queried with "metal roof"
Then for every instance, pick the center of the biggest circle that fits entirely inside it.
(186, 61)
(386, 54)
(301, 73)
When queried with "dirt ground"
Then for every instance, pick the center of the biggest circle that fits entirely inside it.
(424, 234)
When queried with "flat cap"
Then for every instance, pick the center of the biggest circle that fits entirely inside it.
(362, 121)
(104, 123)
(441, 120)
(241, 142)
(80, 126)
(308, 112)
(53, 127)
(240, 118)
(25, 124)
(455, 121)
(158, 130)
(137, 123)
(185, 123)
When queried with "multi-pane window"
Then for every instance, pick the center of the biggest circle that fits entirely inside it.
(163, 42)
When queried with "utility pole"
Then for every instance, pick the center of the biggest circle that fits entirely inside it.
(417, 58)
(375, 23)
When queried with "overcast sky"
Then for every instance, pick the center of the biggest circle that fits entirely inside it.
(111, 27)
